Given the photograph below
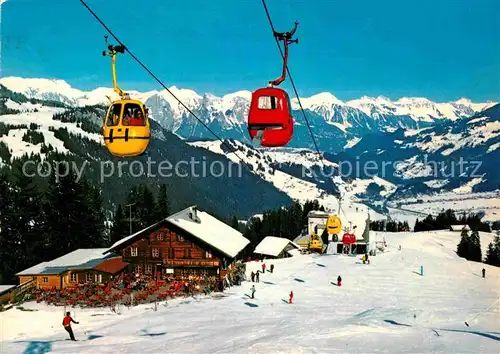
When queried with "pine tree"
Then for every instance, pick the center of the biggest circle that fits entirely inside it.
(493, 253)
(7, 243)
(463, 246)
(70, 220)
(93, 216)
(163, 203)
(474, 251)
(234, 223)
(120, 228)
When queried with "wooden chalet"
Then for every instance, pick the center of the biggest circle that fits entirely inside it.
(188, 243)
(77, 267)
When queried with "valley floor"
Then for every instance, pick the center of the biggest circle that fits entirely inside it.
(386, 306)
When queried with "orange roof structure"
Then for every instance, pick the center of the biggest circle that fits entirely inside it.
(112, 265)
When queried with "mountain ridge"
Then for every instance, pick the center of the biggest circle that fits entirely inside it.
(334, 123)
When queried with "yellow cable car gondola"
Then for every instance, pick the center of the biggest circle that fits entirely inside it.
(126, 128)
(333, 225)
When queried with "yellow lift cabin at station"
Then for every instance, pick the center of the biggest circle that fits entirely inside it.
(126, 128)
(315, 243)
(333, 225)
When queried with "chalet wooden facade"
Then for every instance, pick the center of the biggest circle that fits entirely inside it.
(163, 250)
(181, 246)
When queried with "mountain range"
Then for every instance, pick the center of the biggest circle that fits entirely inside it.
(410, 135)
(335, 124)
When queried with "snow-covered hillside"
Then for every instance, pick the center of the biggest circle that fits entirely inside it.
(272, 165)
(386, 306)
(227, 115)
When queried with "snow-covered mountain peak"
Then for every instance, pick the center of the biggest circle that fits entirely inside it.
(463, 101)
(413, 100)
(323, 99)
(242, 94)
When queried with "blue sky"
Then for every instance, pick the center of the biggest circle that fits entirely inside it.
(439, 49)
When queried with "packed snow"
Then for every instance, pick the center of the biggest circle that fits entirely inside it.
(386, 306)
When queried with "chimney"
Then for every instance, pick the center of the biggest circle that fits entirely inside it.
(193, 213)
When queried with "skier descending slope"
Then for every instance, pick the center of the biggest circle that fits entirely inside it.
(67, 325)
(339, 281)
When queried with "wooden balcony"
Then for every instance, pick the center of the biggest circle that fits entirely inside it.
(191, 263)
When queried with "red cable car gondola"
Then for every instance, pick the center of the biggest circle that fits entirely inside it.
(269, 117)
(348, 239)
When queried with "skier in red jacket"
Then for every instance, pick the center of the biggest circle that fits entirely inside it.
(67, 325)
(291, 297)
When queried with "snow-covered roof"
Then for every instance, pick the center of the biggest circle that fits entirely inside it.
(459, 227)
(273, 246)
(83, 258)
(317, 214)
(4, 288)
(210, 230)
(204, 227)
(130, 237)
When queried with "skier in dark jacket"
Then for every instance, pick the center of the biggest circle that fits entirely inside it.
(252, 275)
(339, 281)
(67, 325)
(272, 268)
(484, 273)
(257, 276)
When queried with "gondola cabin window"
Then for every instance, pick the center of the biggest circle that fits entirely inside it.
(114, 115)
(268, 102)
(133, 115)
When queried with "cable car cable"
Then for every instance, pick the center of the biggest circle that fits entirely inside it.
(291, 81)
(158, 80)
(320, 155)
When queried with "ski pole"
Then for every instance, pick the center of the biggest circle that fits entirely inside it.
(482, 312)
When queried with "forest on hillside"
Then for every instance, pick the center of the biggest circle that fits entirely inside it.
(45, 218)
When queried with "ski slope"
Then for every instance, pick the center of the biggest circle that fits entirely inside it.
(382, 307)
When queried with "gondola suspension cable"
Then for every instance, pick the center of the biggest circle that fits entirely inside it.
(159, 81)
(320, 155)
(293, 84)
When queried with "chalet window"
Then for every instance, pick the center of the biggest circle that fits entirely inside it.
(98, 278)
(149, 268)
(178, 253)
(180, 238)
(73, 277)
(88, 276)
(156, 252)
(133, 251)
(208, 254)
(186, 253)
(45, 279)
(138, 268)
(159, 236)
